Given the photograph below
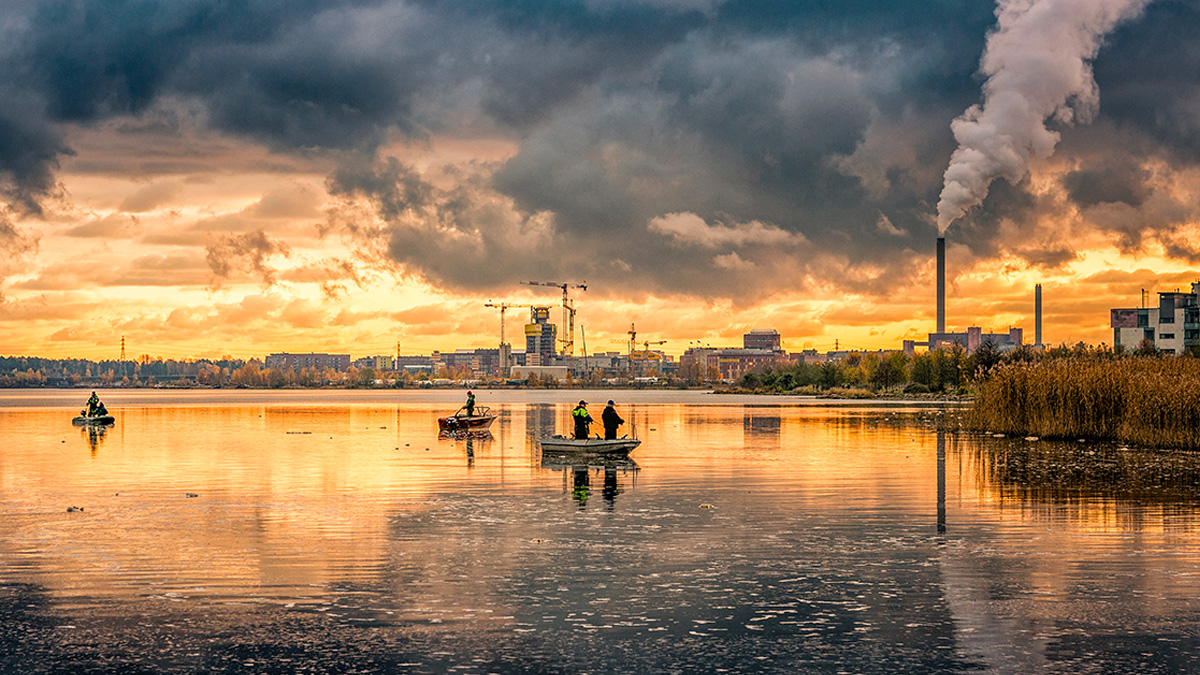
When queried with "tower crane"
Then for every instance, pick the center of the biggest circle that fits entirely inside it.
(504, 356)
(568, 311)
(630, 343)
(646, 349)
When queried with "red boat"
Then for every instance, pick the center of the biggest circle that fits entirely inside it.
(460, 421)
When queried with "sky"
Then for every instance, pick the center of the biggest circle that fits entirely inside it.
(240, 177)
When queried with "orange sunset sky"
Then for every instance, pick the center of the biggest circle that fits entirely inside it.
(212, 179)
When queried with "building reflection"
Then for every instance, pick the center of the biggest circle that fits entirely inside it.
(761, 427)
(540, 422)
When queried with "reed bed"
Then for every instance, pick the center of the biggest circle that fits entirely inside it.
(1145, 401)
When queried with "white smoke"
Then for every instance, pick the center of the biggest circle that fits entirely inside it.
(1038, 67)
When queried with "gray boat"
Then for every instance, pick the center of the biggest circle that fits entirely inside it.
(589, 446)
(95, 420)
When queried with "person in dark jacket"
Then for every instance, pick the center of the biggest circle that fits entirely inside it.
(582, 420)
(470, 406)
(94, 407)
(611, 421)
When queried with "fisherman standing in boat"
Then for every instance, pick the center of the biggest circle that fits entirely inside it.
(582, 420)
(470, 404)
(611, 421)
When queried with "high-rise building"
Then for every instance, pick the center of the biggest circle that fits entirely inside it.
(540, 336)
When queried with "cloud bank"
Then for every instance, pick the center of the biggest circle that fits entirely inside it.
(716, 150)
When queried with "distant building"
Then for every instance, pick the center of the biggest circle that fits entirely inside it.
(383, 362)
(971, 340)
(556, 372)
(728, 364)
(1173, 326)
(762, 339)
(606, 363)
(284, 360)
(403, 362)
(807, 356)
(478, 361)
(540, 338)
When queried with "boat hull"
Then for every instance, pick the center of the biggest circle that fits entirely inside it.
(589, 446)
(82, 420)
(464, 423)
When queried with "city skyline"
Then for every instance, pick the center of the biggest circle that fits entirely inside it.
(206, 179)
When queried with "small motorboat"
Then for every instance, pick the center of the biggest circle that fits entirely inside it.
(589, 446)
(94, 420)
(461, 421)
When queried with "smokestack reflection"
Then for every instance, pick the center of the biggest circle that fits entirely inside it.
(941, 481)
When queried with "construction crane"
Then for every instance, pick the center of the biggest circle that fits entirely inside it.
(504, 356)
(568, 311)
(630, 343)
(646, 351)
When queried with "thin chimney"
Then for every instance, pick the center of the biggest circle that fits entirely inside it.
(941, 285)
(1037, 316)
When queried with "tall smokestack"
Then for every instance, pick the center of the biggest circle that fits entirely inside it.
(1037, 316)
(941, 285)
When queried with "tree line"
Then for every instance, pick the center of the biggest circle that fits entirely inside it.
(948, 370)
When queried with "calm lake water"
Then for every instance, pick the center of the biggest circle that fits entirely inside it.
(319, 531)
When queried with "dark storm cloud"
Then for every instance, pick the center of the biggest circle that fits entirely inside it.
(1126, 183)
(1148, 82)
(15, 247)
(30, 148)
(815, 119)
(466, 237)
(243, 253)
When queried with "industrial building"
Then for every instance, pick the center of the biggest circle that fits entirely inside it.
(974, 337)
(1172, 326)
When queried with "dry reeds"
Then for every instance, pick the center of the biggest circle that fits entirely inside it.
(1144, 401)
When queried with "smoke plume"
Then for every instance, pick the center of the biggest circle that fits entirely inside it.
(1038, 67)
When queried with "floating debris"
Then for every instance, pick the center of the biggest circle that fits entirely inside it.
(707, 506)
(73, 509)
(302, 433)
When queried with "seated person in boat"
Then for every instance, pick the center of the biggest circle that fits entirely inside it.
(94, 407)
(582, 420)
(611, 421)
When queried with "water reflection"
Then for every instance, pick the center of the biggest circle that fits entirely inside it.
(1058, 470)
(94, 435)
(577, 472)
(540, 422)
(761, 427)
(750, 538)
(941, 480)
